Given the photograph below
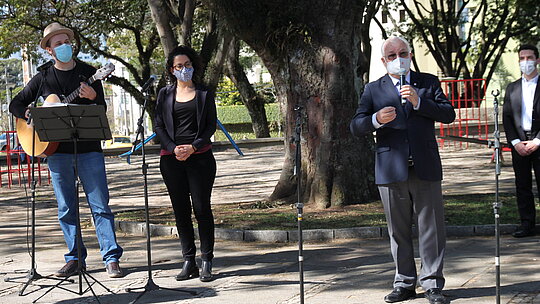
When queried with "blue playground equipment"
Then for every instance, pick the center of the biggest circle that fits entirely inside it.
(139, 145)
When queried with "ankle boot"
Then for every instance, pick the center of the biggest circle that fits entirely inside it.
(189, 270)
(206, 271)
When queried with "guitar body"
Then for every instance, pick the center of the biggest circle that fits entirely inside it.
(26, 131)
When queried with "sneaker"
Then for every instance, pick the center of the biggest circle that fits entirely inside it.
(114, 270)
(69, 269)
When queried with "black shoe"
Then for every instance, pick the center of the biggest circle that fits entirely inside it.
(114, 270)
(189, 270)
(69, 269)
(435, 296)
(206, 271)
(399, 294)
(523, 232)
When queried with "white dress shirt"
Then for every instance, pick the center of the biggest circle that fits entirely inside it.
(528, 88)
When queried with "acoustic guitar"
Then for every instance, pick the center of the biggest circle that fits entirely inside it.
(25, 130)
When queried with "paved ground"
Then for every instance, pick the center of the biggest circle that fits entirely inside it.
(347, 271)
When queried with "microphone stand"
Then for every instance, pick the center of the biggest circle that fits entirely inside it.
(299, 204)
(497, 204)
(150, 285)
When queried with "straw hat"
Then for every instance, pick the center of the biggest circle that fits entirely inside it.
(54, 29)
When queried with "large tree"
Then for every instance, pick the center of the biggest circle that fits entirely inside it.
(468, 37)
(113, 29)
(253, 101)
(311, 49)
(177, 20)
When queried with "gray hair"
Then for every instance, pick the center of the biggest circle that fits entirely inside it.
(391, 38)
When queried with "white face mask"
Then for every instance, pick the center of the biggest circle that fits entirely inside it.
(527, 67)
(399, 66)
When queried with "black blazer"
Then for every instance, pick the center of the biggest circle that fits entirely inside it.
(206, 118)
(513, 98)
(409, 133)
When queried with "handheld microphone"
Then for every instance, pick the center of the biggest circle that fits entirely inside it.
(148, 83)
(402, 73)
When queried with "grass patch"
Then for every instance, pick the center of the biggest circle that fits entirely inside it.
(474, 209)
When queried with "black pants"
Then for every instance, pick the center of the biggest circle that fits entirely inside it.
(523, 166)
(190, 183)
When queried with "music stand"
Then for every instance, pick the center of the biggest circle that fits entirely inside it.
(73, 123)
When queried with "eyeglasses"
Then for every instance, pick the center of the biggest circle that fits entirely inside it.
(180, 66)
(403, 54)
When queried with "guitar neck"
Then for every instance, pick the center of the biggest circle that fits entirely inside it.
(75, 93)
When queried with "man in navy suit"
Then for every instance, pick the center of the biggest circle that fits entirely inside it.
(408, 168)
(521, 120)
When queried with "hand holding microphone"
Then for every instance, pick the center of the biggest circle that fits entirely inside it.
(402, 73)
(407, 91)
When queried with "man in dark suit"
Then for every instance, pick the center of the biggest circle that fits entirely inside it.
(521, 120)
(408, 168)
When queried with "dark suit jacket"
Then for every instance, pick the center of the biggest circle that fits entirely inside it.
(512, 112)
(206, 118)
(411, 133)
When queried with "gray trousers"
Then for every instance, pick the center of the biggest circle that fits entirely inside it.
(401, 201)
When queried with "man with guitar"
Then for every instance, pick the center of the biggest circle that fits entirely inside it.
(55, 82)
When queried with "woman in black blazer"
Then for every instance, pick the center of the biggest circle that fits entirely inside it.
(185, 120)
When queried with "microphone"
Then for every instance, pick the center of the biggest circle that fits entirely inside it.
(402, 73)
(148, 83)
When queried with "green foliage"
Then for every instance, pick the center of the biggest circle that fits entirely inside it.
(466, 38)
(13, 69)
(238, 114)
(227, 93)
(237, 122)
(117, 29)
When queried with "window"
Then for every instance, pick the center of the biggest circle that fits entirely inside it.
(402, 16)
(384, 18)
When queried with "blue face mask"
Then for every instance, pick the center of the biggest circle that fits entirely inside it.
(64, 52)
(185, 74)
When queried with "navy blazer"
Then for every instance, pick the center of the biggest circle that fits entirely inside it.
(513, 98)
(411, 133)
(164, 121)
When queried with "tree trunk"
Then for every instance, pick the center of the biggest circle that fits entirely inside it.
(253, 101)
(210, 41)
(214, 68)
(160, 15)
(187, 23)
(309, 49)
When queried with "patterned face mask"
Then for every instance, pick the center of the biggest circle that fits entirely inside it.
(185, 74)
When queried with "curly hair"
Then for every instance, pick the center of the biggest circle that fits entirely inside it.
(193, 57)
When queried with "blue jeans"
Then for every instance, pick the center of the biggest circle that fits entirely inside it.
(91, 169)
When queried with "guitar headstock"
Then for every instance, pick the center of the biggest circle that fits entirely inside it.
(103, 72)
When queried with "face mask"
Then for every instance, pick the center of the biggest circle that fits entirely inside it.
(64, 52)
(184, 74)
(527, 67)
(399, 66)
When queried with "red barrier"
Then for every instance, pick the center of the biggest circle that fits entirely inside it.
(468, 96)
(18, 164)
